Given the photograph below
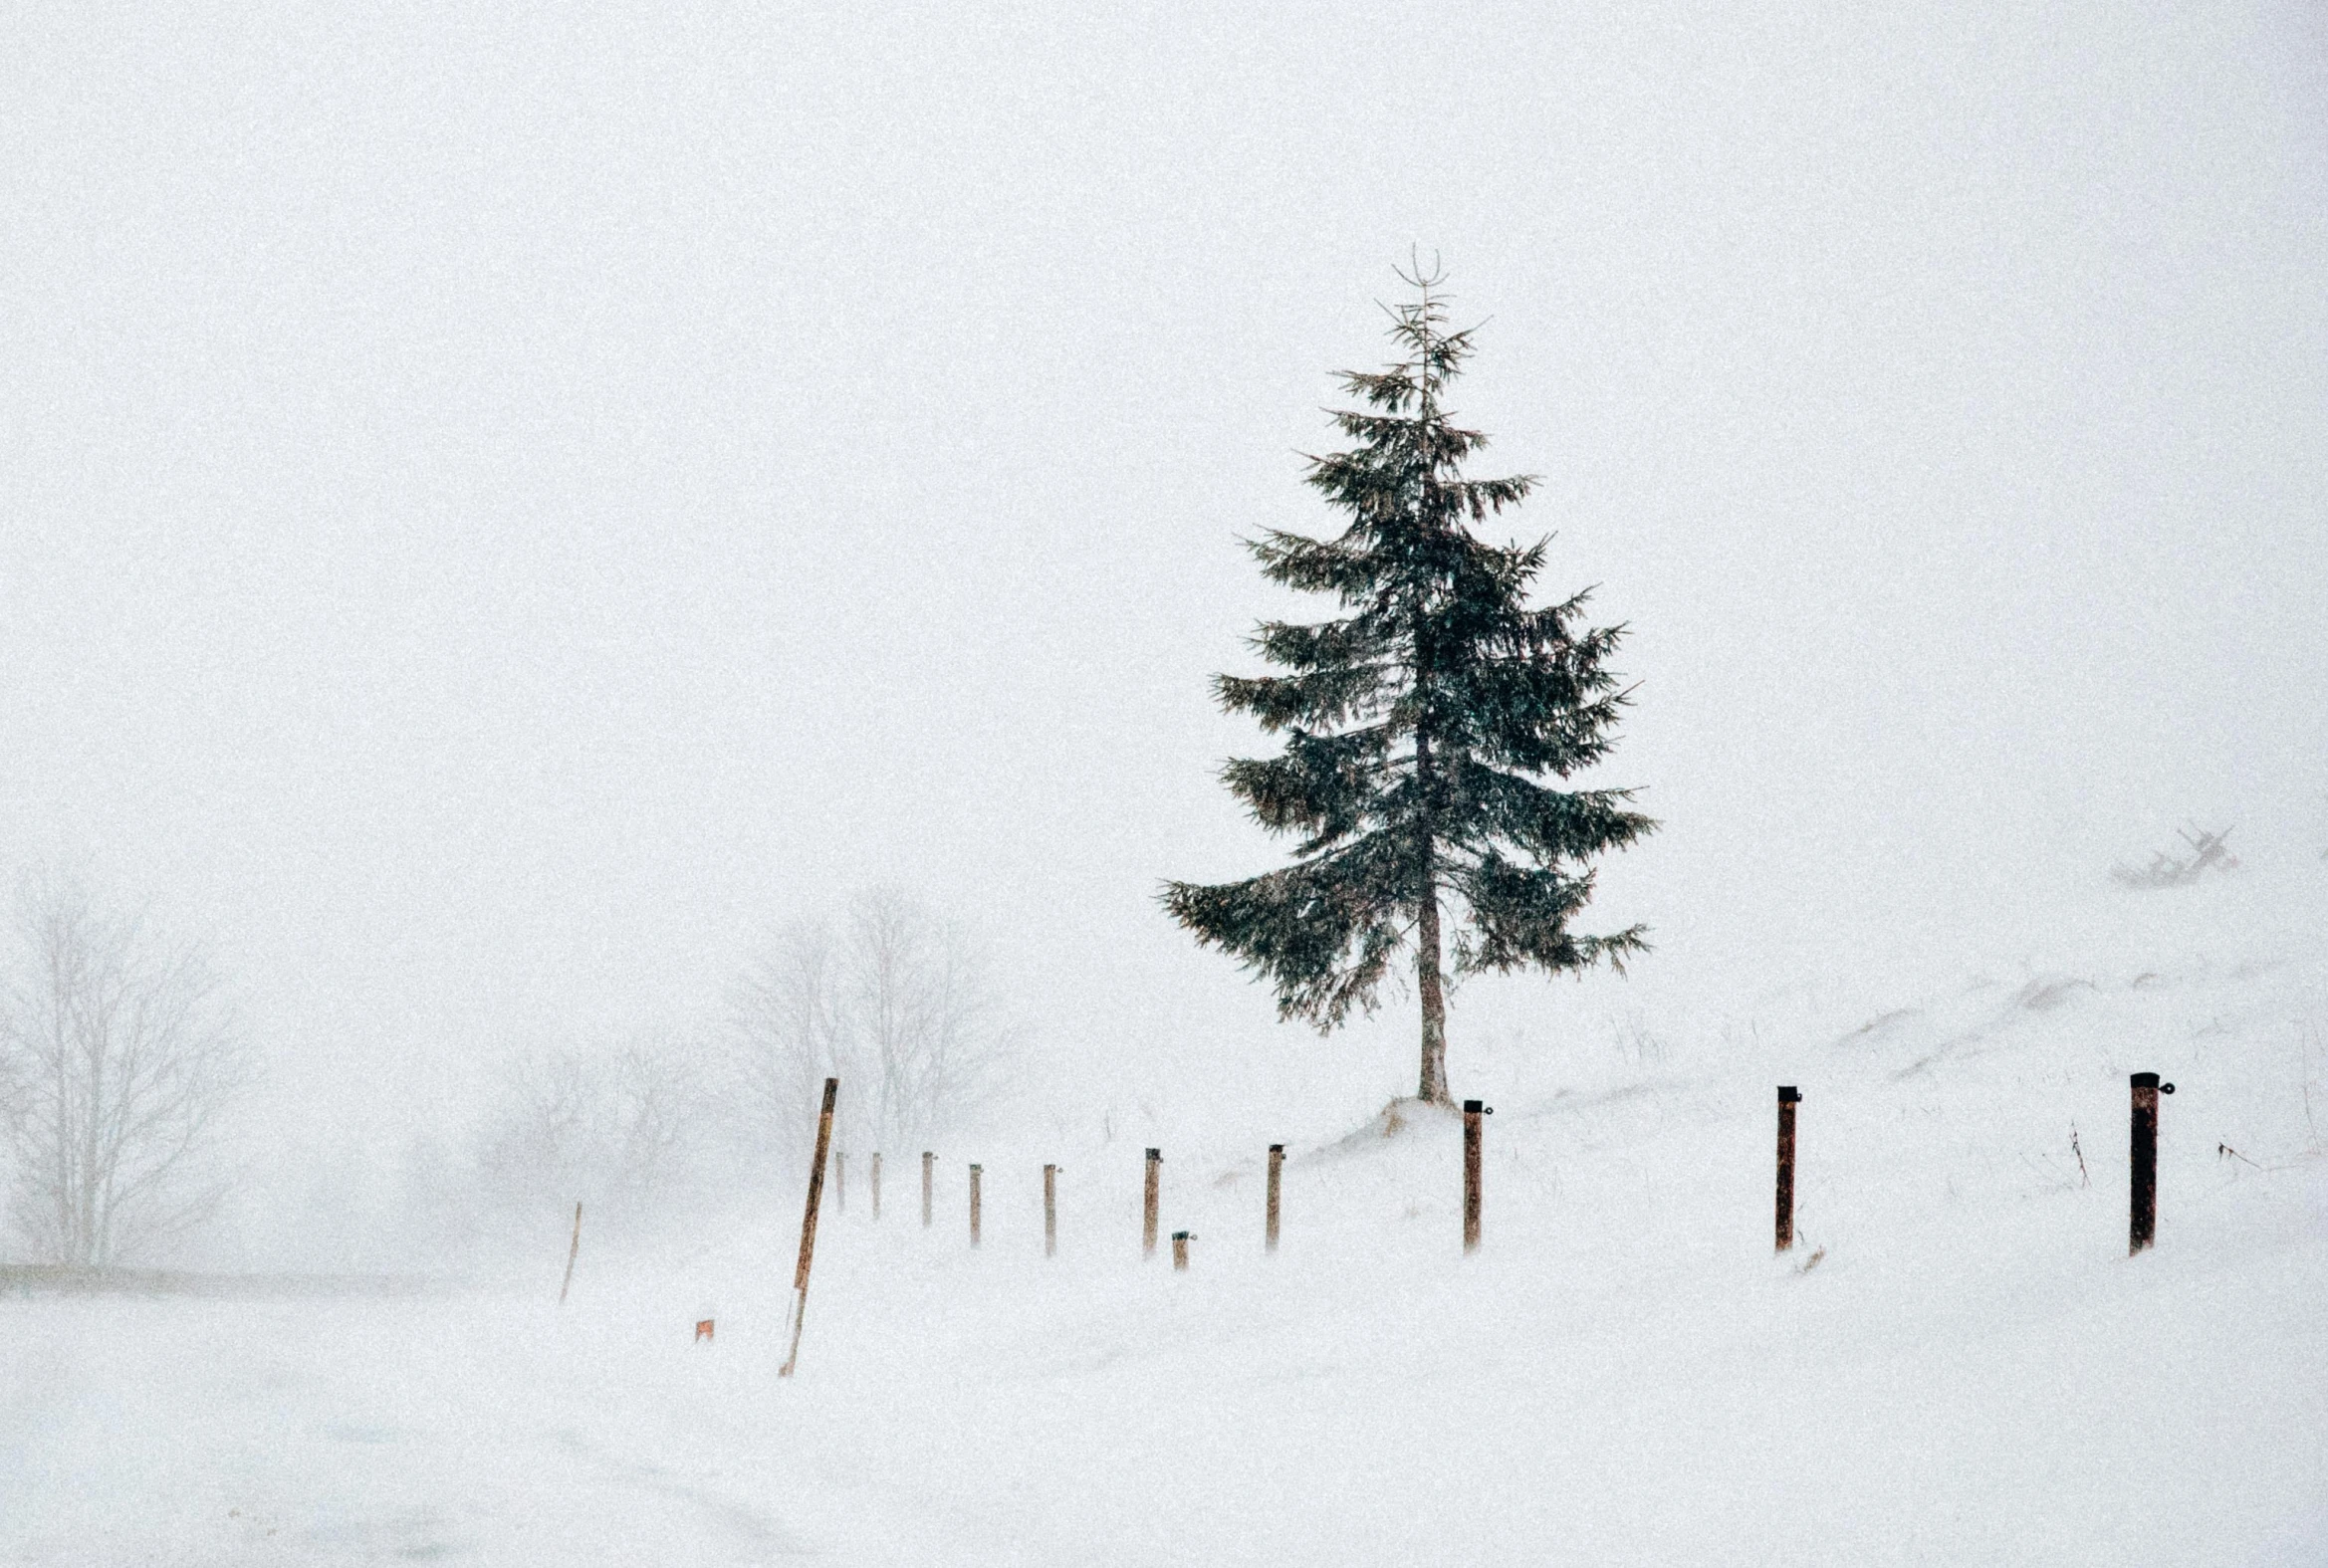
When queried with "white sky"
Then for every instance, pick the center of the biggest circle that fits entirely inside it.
(501, 506)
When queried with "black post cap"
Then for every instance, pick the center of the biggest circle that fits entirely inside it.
(1787, 1094)
(976, 1167)
(1179, 1235)
(1470, 1107)
(1155, 1154)
(2146, 1081)
(1276, 1148)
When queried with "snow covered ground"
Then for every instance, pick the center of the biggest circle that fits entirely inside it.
(1974, 1371)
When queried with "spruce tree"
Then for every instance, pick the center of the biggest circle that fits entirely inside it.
(1417, 726)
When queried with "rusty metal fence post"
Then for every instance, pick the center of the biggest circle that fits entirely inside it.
(874, 1175)
(808, 1223)
(1277, 1173)
(1788, 1099)
(928, 1162)
(2143, 1190)
(1150, 1203)
(1180, 1250)
(973, 1170)
(1473, 1111)
(1050, 1210)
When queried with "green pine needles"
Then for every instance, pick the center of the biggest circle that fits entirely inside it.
(1416, 727)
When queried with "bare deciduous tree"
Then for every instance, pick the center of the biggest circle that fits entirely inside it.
(895, 1006)
(118, 1062)
(622, 1129)
(786, 1038)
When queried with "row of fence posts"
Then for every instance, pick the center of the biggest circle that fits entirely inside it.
(1151, 1205)
(2142, 1221)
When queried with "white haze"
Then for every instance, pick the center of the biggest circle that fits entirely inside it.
(501, 508)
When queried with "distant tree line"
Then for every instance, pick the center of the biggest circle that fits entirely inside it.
(886, 996)
(122, 1064)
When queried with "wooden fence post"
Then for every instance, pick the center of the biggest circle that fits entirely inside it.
(973, 1170)
(808, 1223)
(1050, 1210)
(1473, 1110)
(840, 1181)
(928, 1160)
(1180, 1250)
(571, 1250)
(875, 1175)
(1788, 1099)
(2143, 1191)
(1150, 1201)
(1277, 1173)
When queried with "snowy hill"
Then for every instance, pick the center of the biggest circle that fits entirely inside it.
(1973, 1371)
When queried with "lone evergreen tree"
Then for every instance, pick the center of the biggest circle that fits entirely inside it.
(1416, 727)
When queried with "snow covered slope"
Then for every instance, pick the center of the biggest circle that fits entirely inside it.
(1973, 1372)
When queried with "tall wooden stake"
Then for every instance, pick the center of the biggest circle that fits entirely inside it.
(928, 1162)
(808, 1223)
(1473, 1110)
(1151, 1202)
(570, 1251)
(1277, 1175)
(2142, 1221)
(973, 1170)
(875, 1176)
(1050, 1210)
(1786, 1102)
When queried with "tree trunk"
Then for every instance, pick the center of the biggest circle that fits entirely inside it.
(1434, 1082)
(1433, 1087)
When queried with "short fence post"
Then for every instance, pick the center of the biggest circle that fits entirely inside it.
(1149, 1204)
(1180, 1251)
(928, 1161)
(1473, 1110)
(808, 1223)
(1277, 1172)
(1788, 1099)
(571, 1253)
(2143, 1191)
(875, 1175)
(1050, 1210)
(973, 1170)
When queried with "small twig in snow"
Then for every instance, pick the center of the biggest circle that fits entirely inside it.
(2306, 1034)
(2224, 1150)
